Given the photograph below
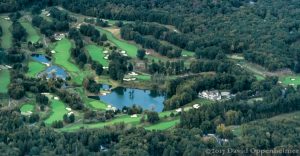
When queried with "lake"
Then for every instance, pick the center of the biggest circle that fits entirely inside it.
(120, 97)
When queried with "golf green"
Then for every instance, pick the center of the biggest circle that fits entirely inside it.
(58, 109)
(63, 54)
(96, 53)
(27, 107)
(6, 39)
(34, 68)
(33, 36)
(4, 80)
(98, 104)
(131, 49)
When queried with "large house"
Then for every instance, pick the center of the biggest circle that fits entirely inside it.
(214, 95)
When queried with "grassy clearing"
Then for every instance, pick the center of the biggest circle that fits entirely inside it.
(290, 80)
(63, 54)
(27, 107)
(35, 68)
(6, 39)
(96, 53)
(4, 80)
(33, 35)
(131, 49)
(58, 109)
(163, 125)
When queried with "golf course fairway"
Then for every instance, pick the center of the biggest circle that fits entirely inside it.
(63, 55)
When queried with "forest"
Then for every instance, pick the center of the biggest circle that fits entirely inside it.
(61, 59)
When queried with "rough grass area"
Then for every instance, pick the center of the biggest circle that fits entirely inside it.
(131, 49)
(6, 39)
(34, 68)
(33, 35)
(58, 109)
(27, 107)
(96, 53)
(63, 55)
(163, 125)
(4, 80)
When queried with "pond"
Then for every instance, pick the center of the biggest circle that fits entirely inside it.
(120, 97)
(52, 70)
(41, 58)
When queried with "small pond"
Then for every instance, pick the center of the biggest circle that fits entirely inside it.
(52, 69)
(41, 58)
(120, 97)
(55, 70)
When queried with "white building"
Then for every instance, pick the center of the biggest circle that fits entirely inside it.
(212, 95)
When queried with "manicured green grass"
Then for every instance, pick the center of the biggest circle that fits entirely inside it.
(124, 118)
(63, 54)
(35, 68)
(4, 80)
(187, 53)
(98, 104)
(144, 77)
(6, 39)
(27, 107)
(78, 77)
(58, 109)
(96, 53)
(33, 36)
(131, 49)
(290, 80)
(163, 125)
